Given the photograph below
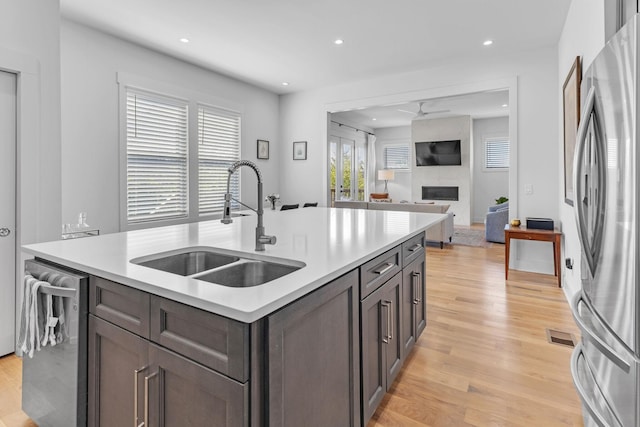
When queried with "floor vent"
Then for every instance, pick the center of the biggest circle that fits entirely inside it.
(561, 338)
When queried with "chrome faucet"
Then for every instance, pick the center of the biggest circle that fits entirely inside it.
(261, 238)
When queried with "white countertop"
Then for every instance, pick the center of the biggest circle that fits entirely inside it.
(329, 241)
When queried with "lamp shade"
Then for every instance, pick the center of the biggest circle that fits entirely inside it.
(386, 175)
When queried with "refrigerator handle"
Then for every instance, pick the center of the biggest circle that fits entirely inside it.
(591, 249)
(582, 392)
(594, 338)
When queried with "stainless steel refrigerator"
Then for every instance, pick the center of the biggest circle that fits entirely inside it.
(605, 365)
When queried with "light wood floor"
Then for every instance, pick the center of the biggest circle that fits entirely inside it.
(483, 360)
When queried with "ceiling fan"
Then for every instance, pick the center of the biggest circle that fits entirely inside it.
(422, 114)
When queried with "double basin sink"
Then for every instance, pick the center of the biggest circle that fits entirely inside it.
(224, 268)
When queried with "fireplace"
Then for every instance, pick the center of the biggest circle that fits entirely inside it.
(439, 193)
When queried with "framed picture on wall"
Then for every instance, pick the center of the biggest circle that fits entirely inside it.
(300, 150)
(571, 119)
(263, 149)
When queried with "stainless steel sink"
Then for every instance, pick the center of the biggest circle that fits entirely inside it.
(220, 266)
(247, 273)
(188, 263)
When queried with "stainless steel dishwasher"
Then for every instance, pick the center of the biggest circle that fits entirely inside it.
(54, 381)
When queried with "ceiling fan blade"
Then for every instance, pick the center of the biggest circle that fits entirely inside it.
(407, 111)
(436, 112)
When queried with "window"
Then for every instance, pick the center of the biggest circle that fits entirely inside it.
(177, 157)
(396, 157)
(496, 153)
(157, 145)
(218, 148)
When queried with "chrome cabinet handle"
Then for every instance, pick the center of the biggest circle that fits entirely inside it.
(417, 247)
(594, 338)
(146, 398)
(385, 334)
(416, 287)
(388, 267)
(390, 320)
(4, 232)
(135, 396)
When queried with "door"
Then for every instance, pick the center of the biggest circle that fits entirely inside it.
(341, 158)
(394, 346)
(414, 312)
(7, 212)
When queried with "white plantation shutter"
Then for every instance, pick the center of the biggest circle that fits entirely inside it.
(218, 148)
(396, 157)
(496, 154)
(157, 140)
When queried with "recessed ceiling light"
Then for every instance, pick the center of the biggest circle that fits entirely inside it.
(285, 83)
(339, 41)
(488, 42)
(374, 118)
(184, 40)
(505, 105)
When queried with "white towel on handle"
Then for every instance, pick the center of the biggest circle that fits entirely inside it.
(25, 338)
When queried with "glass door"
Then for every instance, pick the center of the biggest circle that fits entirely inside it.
(341, 166)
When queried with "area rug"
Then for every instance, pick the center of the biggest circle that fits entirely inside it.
(469, 237)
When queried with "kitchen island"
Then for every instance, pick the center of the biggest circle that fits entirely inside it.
(165, 348)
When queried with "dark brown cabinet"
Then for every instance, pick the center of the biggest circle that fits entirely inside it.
(326, 359)
(414, 308)
(133, 381)
(381, 342)
(313, 348)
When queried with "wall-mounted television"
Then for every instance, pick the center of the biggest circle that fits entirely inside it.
(438, 153)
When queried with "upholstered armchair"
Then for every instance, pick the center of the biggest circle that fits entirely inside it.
(497, 218)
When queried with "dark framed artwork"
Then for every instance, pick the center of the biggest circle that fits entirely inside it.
(300, 150)
(263, 149)
(571, 119)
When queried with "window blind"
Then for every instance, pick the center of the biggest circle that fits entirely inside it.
(157, 140)
(396, 157)
(496, 154)
(218, 148)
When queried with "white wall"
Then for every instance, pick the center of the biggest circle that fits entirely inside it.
(536, 118)
(450, 176)
(90, 63)
(487, 185)
(582, 35)
(30, 47)
(400, 187)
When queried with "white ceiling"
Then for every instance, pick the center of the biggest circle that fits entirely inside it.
(477, 105)
(266, 42)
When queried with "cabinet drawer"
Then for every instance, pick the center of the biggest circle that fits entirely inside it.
(380, 269)
(210, 339)
(119, 304)
(412, 249)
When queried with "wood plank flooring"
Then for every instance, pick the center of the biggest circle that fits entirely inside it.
(483, 360)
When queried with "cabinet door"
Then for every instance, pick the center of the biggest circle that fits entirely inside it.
(420, 303)
(413, 304)
(185, 393)
(382, 342)
(393, 347)
(115, 355)
(374, 324)
(314, 370)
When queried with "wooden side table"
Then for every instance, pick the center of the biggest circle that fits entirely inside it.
(524, 233)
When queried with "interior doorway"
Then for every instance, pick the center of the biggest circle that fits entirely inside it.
(8, 84)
